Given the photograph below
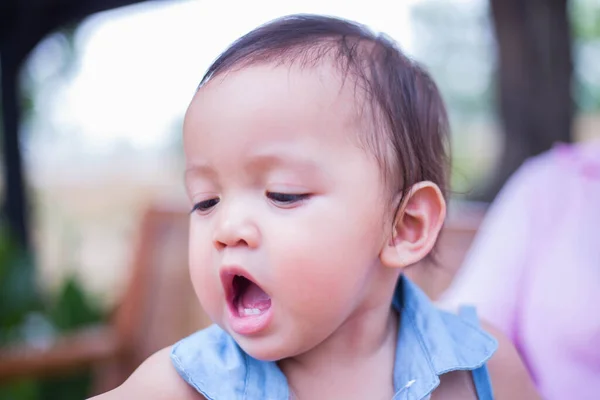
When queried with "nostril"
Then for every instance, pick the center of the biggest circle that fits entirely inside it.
(222, 245)
(219, 245)
(221, 242)
(232, 232)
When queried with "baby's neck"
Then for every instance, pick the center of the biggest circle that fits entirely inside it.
(361, 351)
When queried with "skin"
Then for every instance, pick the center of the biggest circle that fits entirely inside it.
(328, 259)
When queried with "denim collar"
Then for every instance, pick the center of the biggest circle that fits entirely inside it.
(430, 343)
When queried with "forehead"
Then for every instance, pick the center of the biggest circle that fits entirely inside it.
(267, 103)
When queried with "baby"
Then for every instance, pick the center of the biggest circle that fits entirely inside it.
(317, 162)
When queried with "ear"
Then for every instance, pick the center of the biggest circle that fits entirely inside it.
(416, 227)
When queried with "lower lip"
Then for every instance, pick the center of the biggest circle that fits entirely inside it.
(251, 324)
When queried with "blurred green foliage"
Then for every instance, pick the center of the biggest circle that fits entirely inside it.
(19, 295)
(585, 19)
(585, 25)
(456, 42)
(27, 315)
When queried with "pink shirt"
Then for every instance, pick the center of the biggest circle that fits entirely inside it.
(534, 270)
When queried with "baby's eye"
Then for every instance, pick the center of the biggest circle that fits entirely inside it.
(287, 198)
(205, 205)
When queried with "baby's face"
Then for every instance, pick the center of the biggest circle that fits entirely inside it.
(290, 212)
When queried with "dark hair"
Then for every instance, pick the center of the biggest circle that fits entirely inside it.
(403, 97)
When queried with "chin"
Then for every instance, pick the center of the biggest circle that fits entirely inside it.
(266, 348)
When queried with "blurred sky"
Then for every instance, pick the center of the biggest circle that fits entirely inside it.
(135, 69)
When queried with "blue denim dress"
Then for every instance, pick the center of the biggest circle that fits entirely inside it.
(431, 342)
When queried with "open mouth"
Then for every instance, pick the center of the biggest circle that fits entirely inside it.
(250, 308)
(247, 299)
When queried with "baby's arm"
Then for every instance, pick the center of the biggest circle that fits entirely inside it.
(510, 379)
(155, 379)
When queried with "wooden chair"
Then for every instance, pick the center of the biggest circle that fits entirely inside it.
(158, 308)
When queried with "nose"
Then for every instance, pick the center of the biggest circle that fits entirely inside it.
(235, 227)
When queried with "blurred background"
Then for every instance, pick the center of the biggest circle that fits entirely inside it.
(93, 98)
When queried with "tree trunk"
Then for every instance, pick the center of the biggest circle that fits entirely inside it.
(15, 200)
(22, 25)
(534, 77)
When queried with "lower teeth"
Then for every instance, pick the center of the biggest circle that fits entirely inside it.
(250, 311)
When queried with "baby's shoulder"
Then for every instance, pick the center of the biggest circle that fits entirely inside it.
(509, 377)
(455, 385)
(155, 379)
(508, 373)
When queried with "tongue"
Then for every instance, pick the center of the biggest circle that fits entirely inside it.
(254, 298)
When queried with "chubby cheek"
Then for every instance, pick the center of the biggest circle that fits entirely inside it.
(204, 277)
(327, 262)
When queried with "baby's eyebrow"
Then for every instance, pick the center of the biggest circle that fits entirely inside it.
(258, 164)
(198, 169)
(265, 161)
